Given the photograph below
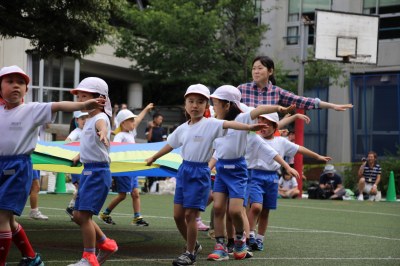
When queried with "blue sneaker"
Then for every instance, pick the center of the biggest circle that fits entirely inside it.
(252, 243)
(260, 245)
(240, 249)
(36, 261)
(220, 253)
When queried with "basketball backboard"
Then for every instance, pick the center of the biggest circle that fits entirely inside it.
(346, 37)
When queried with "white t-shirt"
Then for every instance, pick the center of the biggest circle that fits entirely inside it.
(125, 137)
(233, 144)
(288, 184)
(196, 140)
(259, 155)
(19, 127)
(283, 146)
(92, 150)
(75, 134)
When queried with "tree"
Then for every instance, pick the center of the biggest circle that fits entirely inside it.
(177, 42)
(60, 27)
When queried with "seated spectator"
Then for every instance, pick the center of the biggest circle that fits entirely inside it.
(331, 183)
(288, 186)
(370, 176)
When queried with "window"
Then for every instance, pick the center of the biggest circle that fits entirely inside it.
(376, 113)
(57, 80)
(389, 13)
(308, 10)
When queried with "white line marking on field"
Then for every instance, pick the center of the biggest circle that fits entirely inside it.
(340, 210)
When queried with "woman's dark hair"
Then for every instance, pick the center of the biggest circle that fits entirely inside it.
(268, 63)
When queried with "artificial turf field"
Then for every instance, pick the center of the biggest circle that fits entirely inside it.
(301, 232)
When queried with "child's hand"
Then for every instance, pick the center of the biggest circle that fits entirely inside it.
(94, 103)
(149, 161)
(149, 106)
(303, 117)
(324, 158)
(257, 127)
(285, 110)
(103, 137)
(293, 172)
(75, 160)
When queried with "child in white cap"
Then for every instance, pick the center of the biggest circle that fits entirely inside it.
(263, 185)
(19, 127)
(96, 176)
(125, 132)
(75, 135)
(231, 178)
(195, 137)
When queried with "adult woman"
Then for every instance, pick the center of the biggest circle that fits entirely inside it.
(262, 90)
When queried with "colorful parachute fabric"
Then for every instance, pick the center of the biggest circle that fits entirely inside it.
(126, 158)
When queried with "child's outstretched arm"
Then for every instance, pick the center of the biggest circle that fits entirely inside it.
(241, 126)
(287, 167)
(142, 114)
(164, 150)
(102, 131)
(67, 106)
(310, 153)
(267, 109)
(288, 119)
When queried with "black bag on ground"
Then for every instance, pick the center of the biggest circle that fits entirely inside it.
(315, 192)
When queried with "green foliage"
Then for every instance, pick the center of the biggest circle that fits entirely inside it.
(176, 43)
(59, 27)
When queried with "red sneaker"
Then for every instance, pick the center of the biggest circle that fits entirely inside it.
(106, 249)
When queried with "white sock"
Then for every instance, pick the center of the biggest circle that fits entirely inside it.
(260, 237)
(252, 234)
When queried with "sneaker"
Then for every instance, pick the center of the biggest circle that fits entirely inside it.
(211, 234)
(197, 248)
(70, 212)
(36, 261)
(106, 249)
(361, 197)
(86, 262)
(230, 248)
(371, 197)
(185, 259)
(106, 218)
(240, 249)
(37, 215)
(220, 253)
(259, 245)
(139, 221)
(201, 226)
(252, 243)
(378, 196)
(249, 254)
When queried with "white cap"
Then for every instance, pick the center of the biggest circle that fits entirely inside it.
(198, 89)
(274, 117)
(123, 115)
(329, 169)
(95, 85)
(78, 114)
(14, 70)
(228, 93)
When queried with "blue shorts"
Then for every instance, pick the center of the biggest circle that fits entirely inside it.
(123, 183)
(94, 187)
(193, 185)
(15, 182)
(75, 178)
(231, 177)
(263, 188)
(36, 174)
(134, 182)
